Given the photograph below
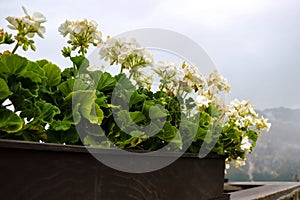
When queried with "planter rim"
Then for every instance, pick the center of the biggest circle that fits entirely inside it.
(26, 145)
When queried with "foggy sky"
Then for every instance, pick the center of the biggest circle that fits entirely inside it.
(254, 43)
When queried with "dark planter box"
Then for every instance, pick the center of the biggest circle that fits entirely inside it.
(50, 171)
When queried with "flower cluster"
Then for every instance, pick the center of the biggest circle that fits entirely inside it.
(128, 53)
(242, 118)
(217, 83)
(131, 56)
(187, 78)
(27, 27)
(243, 115)
(81, 35)
(169, 75)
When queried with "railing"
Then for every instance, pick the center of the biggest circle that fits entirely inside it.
(263, 190)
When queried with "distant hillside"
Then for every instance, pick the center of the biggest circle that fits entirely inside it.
(277, 155)
(282, 114)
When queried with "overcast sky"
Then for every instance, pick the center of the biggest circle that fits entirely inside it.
(254, 43)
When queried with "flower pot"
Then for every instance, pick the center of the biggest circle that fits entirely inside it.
(31, 170)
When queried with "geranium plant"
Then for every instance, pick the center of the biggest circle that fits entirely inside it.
(39, 102)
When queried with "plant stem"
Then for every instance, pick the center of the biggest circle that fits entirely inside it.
(130, 75)
(74, 70)
(15, 48)
(82, 51)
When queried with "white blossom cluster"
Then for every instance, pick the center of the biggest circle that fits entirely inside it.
(170, 75)
(131, 56)
(128, 53)
(246, 146)
(28, 25)
(81, 35)
(243, 115)
(175, 79)
(188, 78)
(142, 79)
(217, 83)
(84, 28)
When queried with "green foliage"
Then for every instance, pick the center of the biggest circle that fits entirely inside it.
(10, 122)
(51, 105)
(42, 99)
(4, 90)
(52, 72)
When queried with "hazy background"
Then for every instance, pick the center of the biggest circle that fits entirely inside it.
(254, 43)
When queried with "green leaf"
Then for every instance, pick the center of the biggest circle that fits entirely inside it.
(157, 112)
(4, 89)
(67, 73)
(52, 73)
(101, 101)
(137, 134)
(66, 87)
(84, 100)
(37, 133)
(80, 62)
(80, 85)
(90, 140)
(146, 107)
(252, 135)
(137, 116)
(71, 85)
(201, 133)
(99, 113)
(10, 122)
(62, 125)
(69, 137)
(106, 82)
(47, 112)
(33, 72)
(171, 134)
(137, 138)
(42, 62)
(124, 118)
(67, 122)
(12, 64)
(136, 98)
(204, 120)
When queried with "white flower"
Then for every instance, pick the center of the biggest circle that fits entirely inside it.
(36, 17)
(13, 22)
(194, 78)
(170, 76)
(166, 69)
(34, 22)
(63, 28)
(242, 114)
(262, 123)
(231, 113)
(246, 145)
(97, 35)
(128, 53)
(202, 101)
(30, 24)
(248, 121)
(239, 162)
(217, 83)
(81, 31)
(142, 79)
